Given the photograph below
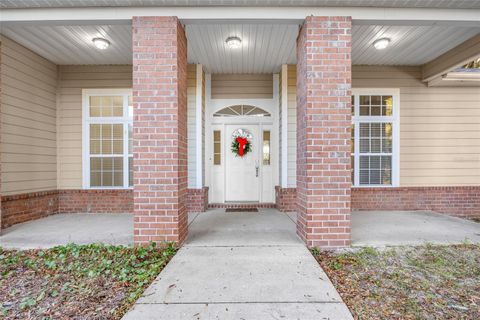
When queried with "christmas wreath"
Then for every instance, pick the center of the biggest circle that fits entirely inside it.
(241, 144)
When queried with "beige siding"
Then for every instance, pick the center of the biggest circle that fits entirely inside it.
(242, 86)
(72, 79)
(191, 123)
(439, 127)
(28, 120)
(292, 125)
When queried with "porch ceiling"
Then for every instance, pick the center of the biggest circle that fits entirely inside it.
(450, 4)
(265, 45)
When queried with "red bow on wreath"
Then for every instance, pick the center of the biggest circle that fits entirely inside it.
(241, 145)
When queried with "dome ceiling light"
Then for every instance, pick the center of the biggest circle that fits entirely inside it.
(381, 44)
(233, 42)
(101, 43)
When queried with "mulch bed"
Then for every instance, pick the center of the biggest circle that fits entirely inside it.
(427, 282)
(76, 282)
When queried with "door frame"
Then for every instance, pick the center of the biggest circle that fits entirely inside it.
(211, 122)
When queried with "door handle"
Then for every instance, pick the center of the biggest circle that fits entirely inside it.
(256, 171)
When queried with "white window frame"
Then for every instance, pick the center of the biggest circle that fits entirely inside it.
(394, 119)
(87, 120)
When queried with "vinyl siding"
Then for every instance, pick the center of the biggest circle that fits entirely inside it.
(292, 125)
(72, 79)
(242, 86)
(28, 120)
(439, 127)
(191, 125)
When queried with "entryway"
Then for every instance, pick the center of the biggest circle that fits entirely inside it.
(241, 151)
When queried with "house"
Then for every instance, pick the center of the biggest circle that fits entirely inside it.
(157, 109)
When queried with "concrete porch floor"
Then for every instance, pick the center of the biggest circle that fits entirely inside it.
(369, 228)
(398, 228)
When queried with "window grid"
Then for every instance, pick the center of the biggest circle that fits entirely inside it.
(373, 139)
(108, 139)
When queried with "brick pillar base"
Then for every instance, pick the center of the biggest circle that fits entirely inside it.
(197, 200)
(159, 130)
(323, 131)
(285, 199)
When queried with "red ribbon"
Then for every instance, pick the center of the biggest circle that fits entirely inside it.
(242, 142)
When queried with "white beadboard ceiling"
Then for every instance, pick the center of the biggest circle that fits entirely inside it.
(73, 44)
(450, 4)
(409, 45)
(265, 46)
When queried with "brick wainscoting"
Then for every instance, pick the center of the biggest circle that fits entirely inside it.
(28, 206)
(454, 201)
(95, 201)
(31, 206)
(285, 199)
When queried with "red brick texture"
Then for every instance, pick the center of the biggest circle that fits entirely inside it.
(159, 130)
(285, 199)
(31, 206)
(28, 206)
(95, 201)
(197, 200)
(455, 201)
(263, 205)
(323, 131)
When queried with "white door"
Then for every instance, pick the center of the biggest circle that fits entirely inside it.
(242, 180)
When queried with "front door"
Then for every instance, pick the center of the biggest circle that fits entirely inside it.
(242, 173)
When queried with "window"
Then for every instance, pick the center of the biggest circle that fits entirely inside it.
(375, 136)
(266, 147)
(217, 147)
(107, 138)
(241, 110)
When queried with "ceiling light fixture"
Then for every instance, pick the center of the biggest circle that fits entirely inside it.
(101, 43)
(381, 44)
(233, 42)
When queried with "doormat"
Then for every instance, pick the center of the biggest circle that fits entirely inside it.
(241, 210)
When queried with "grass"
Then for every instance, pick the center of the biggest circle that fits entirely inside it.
(427, 282)
(73, 281)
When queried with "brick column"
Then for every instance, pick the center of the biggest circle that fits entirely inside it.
(323, 131)
(159, 129)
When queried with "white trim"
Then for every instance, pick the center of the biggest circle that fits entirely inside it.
(86, 121)
(274, 147)
(373, 15)
(284, 124)
(394, 119)
(199, 127)
(208, 130)
(219, 123)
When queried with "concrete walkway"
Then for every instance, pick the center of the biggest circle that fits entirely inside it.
(241, 266)
(400, 228)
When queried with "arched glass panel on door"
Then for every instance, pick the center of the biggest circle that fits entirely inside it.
(242, 110)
